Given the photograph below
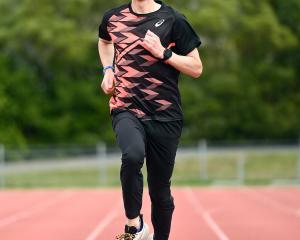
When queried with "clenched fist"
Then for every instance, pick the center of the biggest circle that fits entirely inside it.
(107, 84)
(153, 44)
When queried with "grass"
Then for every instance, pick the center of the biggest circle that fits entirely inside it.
(260, 169)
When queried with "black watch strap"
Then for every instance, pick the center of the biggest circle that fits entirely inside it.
(167, 54)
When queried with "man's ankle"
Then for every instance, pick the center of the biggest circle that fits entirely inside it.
(136, 222)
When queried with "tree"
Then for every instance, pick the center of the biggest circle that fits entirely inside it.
(49, 71)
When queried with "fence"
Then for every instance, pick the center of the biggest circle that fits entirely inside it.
(2, 166)
(275, 163)
(205, 163)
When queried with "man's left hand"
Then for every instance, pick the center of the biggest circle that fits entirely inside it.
(153, 44)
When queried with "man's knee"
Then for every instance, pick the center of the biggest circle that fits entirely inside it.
(133, 157)
(162, 199)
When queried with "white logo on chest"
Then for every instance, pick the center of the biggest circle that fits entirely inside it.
(160, 22)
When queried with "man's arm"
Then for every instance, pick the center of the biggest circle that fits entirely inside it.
(190, 64)
(106, 53)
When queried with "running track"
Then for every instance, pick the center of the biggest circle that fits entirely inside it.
(201, 214)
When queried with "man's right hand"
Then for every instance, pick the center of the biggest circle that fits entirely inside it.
(107, 84)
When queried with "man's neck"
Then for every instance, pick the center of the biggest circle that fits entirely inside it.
(144, 6)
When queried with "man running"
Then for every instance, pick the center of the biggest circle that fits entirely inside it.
(143, 46)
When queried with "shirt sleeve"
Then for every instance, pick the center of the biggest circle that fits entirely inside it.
(184, 36)
(103, 32)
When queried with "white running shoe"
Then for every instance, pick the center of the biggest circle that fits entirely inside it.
(151, 237)
(132, 233)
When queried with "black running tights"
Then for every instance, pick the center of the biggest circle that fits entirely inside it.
(157, 141)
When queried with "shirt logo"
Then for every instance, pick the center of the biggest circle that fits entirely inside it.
(160, 22)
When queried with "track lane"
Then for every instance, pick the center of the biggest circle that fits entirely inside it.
(204, 213)
(14, 201)
(243, 217)
(289, 198)
(72, 218)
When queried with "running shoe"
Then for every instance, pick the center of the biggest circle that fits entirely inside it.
(151, 237)
(132, 233)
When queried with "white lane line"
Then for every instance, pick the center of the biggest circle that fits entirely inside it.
(33, 210)
(105, 222)
(269, 202)
(205, 215)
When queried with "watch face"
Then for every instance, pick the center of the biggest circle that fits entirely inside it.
(167, 54)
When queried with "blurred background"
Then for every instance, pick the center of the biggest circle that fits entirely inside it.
(241, 116)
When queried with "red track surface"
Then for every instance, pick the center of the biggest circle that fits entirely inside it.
(200, 214)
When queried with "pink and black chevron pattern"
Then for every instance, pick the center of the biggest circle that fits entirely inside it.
(132, 74)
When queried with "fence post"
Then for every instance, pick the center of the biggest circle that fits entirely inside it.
(2, 166)
(202, 151)
(241, 167)
(101, 156)
(298, 167)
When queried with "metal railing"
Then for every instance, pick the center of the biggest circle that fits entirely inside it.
(2, 166)
(204, 163)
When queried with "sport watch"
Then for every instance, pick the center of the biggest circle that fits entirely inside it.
(167, 54)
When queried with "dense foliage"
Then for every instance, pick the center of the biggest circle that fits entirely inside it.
(49, 71)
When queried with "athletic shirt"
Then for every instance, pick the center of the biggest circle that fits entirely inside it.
(145, 85)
